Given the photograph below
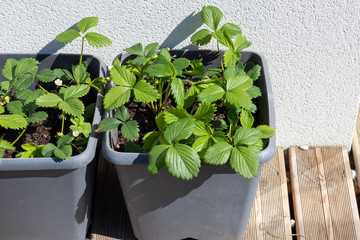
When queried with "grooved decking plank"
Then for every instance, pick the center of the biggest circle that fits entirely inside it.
(270, 214)
(110, 217)
(356, 146)
(307, 195)
(323, 192)
(339, 183)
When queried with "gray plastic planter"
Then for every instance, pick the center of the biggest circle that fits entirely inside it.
(47, 198)
(214, 206)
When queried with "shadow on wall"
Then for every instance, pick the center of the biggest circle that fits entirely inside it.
(186, 28)
(54, 46)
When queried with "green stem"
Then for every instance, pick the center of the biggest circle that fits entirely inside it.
(7, 93)
(63, 123)
(82, 49)
(167, 94)
(221, 61)
(37, 83)
(23, 131)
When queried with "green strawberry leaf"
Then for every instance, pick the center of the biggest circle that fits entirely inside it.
(116, 97)
(160, 121)
(241, 43)
(23, 82)
(33, 95)
(145, 92)
(201, 37)
(211, 94)
(239, 97)
(180, 63)
(76, 91)
(266, 131)
(182, 161)
(246, 119)
(159, 70)
(108, 124)
(247, 136)
(174, 114)
(219, 125)
(122, 114)
(157, 158)
(46, 75)
(218, 154)
(136, 49)
(231, 58)
(64, 140)
(37, 117)
(48, 150)
(9, 68)
(150, 49)
(97, 40)
(201, 129)
(12, 121)
(177, 90)
(233, 115)
(16, 107)
(150, 140)
(254, 73)
(2, 109)
(25, 65)
(48, 100)
(67, 36)
(232, 29)
(130, 130)
(253, 92)
(122, 76)
(205, 112)
(211, 16)
(202, 143)
(80, 74)
(87, 23)
(5, 145)
(63, 152)
(244, 161)
(179, 130)
(73, 107)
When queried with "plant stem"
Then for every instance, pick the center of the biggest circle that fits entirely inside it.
(37, 83)
(167, 94)
(82, 49)
(221, 61)
(62, 124)
(23, 131)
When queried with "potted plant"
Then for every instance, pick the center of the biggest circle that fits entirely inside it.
(190, 115)
(49, 108)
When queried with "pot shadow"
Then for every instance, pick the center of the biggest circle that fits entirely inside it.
(183, 30)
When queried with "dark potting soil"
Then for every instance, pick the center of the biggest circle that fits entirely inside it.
(45, 131)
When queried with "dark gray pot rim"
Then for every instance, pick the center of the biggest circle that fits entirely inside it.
(73, 162)
(126, 158)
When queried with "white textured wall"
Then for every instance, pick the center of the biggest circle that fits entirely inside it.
(312, 48)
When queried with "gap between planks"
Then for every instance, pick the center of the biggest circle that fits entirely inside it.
(321, 179)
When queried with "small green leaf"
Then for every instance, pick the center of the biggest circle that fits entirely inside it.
(2, 109)
(150, 49)
(253, 92)
(12, 121)
(48, 100)
(232, 29)
(165, 53)
(122, 114)
(25, 65)
(29, 146)
(266, 131)
(179, 130)
(219, 124)
(246, 119)
(159, 70)
(48, 150)
(46, 75)
(76, 91)
(63, 74)
(157, 158)
(224, 39)
(160, 121)
(205, 112)
(257, 147)
(198, 68)
(174, 114)
(136, 49)
(122, 76)
(9, 68)
(116, 97)
(239, 98)
(233, 115)
(145, 92)
(234, 80)
(241, 43)
(254, 73)
(64, 140)
(98, 83)
(71, 106)
(211, 94)
(33, 95)
(181, 63)
(63, 152)
(182, 161)
(244, 161)
(67, 36)
(16, 107)
(97, 40)
(80, 74)
(231, 58)
(130, 130)
(201, 37)
(37, 117)
(218, 154)
(177, 90)
(6, 145)
(87, 23)
(201, 129)
(211, 16)
(23, 82)
(22, 94)
(5, 85)
(150, 140)
(247, 136)
(108, 124)
(201, 143)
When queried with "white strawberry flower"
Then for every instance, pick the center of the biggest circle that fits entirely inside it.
(58, 82)
(75, 133)
(110, 67)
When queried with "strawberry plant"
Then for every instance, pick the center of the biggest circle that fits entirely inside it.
(62, 90)
(201, 114)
